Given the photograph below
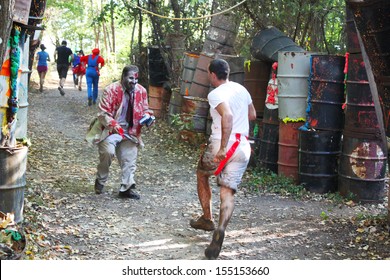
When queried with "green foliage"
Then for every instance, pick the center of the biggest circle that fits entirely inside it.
(262, 180)
(182, 122)
(324, 216)
(267, 181)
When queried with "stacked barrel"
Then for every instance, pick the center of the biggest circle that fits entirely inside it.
(268, 146)
(320, 137)
(158, 76)
(256, 77)
(363, 160)
(190, 61)
(13, 157)
(293, 73)
(194, 111)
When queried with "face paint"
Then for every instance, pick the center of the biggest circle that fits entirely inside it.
(130, 80)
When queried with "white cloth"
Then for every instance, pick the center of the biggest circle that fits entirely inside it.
(238, 99)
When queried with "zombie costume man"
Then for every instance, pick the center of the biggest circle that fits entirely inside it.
(122, 106)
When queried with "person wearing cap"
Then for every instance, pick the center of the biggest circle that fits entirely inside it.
(227, 153)
(42, 58)
(78, 70)
(63, 56)
(94, 62)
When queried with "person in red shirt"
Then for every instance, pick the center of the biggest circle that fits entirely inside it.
(94, 62)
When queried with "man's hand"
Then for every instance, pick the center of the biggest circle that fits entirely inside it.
(221, 155)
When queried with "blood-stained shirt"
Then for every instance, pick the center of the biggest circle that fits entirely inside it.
(112, 104)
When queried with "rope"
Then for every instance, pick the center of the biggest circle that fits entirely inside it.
(195, 18)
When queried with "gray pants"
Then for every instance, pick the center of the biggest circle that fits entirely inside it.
(126, 151)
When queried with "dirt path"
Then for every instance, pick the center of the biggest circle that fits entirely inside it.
(71, 222)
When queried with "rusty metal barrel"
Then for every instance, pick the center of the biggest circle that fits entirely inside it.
(200, 85)
(156, 98)
(373, 22)
(13, 163)
(174, 104)
(195, 112)
(351, 33)
(360, 114)
(190, 61)
(293, 74)
(326, 92)
(268, 42)
(269, 147)
(221, 35)
(288, 149)
(257, 74)
(319, 152)
(362, 168)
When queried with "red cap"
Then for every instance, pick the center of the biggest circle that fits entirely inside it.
(95, 51)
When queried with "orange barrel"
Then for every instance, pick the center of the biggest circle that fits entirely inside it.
(256, 77)
(319, 152)
(362, 167)
(269, 148)
(200, 83)
(288, 149)
(155, 96)
(190, 61)
(195, 112)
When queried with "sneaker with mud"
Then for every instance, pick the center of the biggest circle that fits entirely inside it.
(212, 251)
(98, 187)
(202, 223)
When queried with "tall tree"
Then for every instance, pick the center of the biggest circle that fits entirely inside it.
(6, 14)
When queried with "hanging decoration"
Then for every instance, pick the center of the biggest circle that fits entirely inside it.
(15, 61)
(9, 118)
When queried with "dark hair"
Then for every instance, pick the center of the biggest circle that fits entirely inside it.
(81, 52)
(64, 43)
(129, 68)
(42, 46)
(220, 67)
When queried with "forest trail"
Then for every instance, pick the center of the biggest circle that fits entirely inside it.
(72, 222)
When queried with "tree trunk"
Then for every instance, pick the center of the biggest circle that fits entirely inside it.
(112, 25)
(6, 14)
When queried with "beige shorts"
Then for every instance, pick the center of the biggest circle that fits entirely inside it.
(231, 174)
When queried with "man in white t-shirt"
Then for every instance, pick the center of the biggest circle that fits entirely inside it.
(227, 152)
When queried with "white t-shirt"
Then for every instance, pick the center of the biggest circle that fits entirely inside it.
(238, 98)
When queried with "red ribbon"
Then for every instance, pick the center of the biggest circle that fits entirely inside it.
(228, 154)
